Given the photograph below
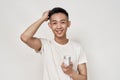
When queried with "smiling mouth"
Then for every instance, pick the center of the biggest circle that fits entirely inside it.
(59, 31)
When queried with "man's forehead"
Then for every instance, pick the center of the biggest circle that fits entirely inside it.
(54, 20)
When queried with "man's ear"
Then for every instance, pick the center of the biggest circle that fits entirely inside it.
(49, 24)
(69, 23)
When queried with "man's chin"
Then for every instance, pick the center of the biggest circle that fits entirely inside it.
(59, 36)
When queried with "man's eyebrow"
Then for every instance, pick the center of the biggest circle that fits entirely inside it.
(63, 20)
(53, 21)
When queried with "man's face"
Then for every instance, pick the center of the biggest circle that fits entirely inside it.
(59, 24)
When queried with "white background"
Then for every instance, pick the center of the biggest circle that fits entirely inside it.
(95, 24)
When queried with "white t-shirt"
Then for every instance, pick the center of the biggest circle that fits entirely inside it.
(53, 56)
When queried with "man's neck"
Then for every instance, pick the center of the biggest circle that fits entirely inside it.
(61, 40)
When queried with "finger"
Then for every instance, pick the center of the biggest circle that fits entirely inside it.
(62, 65)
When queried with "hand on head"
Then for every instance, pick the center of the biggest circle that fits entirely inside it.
(45, 15)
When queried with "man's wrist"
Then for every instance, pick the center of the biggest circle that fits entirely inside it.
(72, 74)
(42, 19)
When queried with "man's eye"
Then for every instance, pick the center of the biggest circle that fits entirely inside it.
(63, 22)
(53, 23)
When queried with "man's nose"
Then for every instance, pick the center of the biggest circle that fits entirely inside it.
(58, 25)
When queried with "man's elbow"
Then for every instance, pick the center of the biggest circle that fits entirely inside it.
(24, 38)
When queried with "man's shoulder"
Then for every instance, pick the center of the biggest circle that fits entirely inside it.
(75, 43)
(45, 40)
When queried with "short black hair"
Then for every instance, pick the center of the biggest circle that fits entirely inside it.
(58, 10)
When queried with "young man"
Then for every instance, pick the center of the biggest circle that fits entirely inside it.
(54, 51)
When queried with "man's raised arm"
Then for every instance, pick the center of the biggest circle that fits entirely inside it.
(27, 35)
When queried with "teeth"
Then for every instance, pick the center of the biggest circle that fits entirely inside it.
(59, 32)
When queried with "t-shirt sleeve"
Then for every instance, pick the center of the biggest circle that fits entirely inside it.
(82, 56)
